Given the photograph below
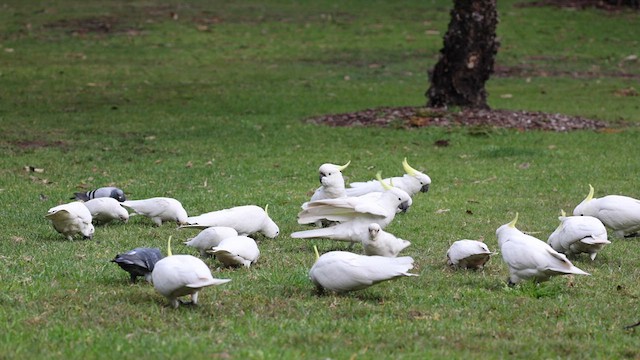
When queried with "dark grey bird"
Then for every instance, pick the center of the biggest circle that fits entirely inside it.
(139, 262)
(108, 191)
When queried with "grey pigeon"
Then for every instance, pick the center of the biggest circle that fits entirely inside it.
(139, 262)
(109, 191)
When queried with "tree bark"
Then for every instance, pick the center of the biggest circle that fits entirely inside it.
(466, 60)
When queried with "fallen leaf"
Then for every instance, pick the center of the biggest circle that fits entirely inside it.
(189, 164)
(506, 96)
(525, 165)
(441, 211)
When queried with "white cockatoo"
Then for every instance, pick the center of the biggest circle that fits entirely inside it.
(579, 234)
(236, 251)
(468, 254)
(619, 213)
(106, 209)
(72, 219)
(159, 209)
(353, 214)
(210, 237)
(531, 258)
(382, 243)
(109, 191)
(139, 262)
(332, 182)
(343, 271)
(246, 219)
(412, 182)
(179, 275)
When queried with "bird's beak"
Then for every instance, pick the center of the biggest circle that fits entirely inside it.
(404, 206)
(424, 188)
(320, 179)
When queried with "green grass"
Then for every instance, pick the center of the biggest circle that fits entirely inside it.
(208, 108)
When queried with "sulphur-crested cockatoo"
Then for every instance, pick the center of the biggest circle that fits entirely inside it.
(382, 243)
(236, 251)
(247, 220)
(353, 214)
(210, 237)
(343, 271)
(109, 191)
(468, 254)
(529, 257)
(180, 275)
(412, 182)
(72, 219)
(159, 209)
(139, 262)
(106, 209)
(579, 234)
(619, 213)
(331, 181)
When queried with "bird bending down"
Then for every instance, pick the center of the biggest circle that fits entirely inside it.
(412, 182)
(159, 209)
(619, 213)
(236, 251)
(210, 237)
(180, 275)
(247, 220)
(139, 262)
(343, 271)
(579, 234)
(106, 209)
(531, 258)
(72, 219)
(382, 243)
(468, 254)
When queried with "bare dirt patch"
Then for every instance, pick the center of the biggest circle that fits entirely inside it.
(417, 117)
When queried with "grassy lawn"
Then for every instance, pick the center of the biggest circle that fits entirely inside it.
(205, 102)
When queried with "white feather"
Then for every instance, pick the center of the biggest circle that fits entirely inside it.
(531, 258)
(159, 209)
(354, 215)
(342, 271)
(468, 254)
(247, 220)
(579, 234)
(71, 219)
(179, 275)
(106, 209)
(237, 251)
(382, 243)
(210, 237)
(619, 213)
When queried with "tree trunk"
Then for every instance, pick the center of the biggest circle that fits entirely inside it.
(466, 60)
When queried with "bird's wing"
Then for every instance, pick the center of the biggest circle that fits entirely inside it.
(619, 212)
(148, 207)
(341, 210)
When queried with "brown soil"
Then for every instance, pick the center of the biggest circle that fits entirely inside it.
(415, 117)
